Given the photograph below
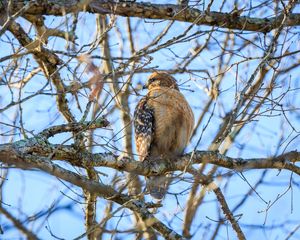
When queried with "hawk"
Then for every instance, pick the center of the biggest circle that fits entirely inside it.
(163, 122)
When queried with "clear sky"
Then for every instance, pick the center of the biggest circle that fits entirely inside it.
(31, 192)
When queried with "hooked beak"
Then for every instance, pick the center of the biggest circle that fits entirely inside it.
(145, 86)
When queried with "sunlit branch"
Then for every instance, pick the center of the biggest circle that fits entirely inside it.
(160, 11)
(39, 146)
(105, 191)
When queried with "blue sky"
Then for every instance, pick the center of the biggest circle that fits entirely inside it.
(27, 192)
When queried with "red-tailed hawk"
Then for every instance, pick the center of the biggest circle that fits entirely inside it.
(163, 122)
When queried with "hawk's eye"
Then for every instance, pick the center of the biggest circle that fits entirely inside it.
(151, 80)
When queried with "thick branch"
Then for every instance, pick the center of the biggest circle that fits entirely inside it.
(38, 153)
(11, 155)
(285, 161)
(39, 146)
(158, 11)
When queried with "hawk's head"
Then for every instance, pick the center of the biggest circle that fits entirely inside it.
(161, 79)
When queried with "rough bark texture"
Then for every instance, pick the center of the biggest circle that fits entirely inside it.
(157, 11)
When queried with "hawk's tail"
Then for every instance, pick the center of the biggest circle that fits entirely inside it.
(158, 186)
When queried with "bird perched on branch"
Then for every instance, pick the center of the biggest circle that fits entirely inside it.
(163, 122)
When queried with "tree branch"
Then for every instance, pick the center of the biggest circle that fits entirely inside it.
(38, 153)
(39, 146)
(228, 213)
(75, 127)
(48, 62)
(18, 224)
(102, 190)
(158, 11)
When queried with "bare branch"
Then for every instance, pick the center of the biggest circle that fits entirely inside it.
(12, 154)
(162, 12)
(18, 224)
(91, 186)
(228, 213)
